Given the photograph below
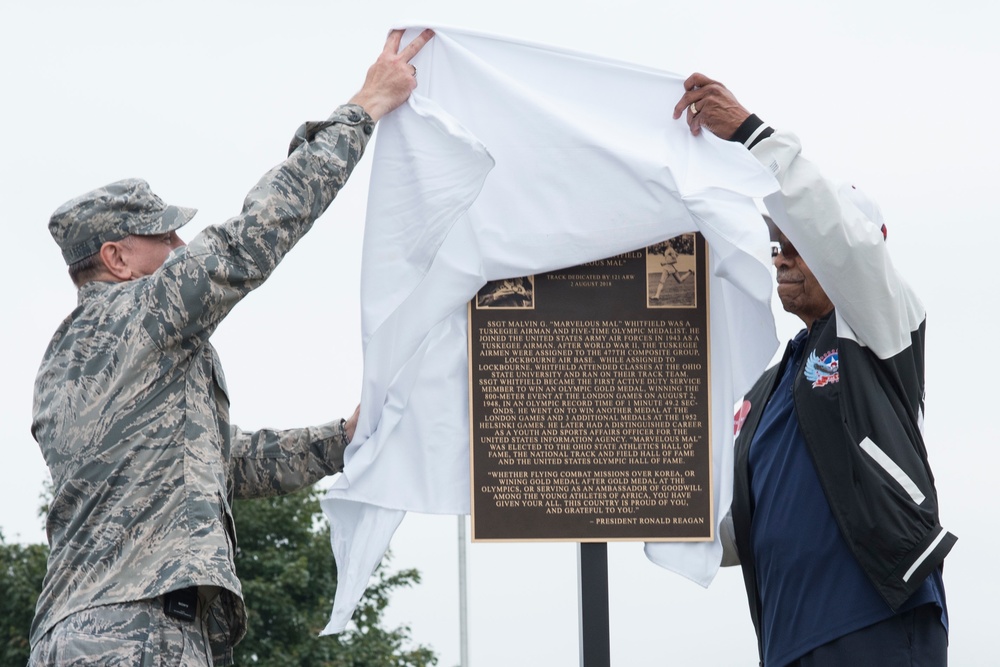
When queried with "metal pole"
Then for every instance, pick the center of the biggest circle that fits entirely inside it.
(463, 597)
(595, 618)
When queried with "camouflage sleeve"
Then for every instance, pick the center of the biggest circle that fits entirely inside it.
(200, 283)
(271, 463)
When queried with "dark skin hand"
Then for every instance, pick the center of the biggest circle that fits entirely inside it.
(717, 108)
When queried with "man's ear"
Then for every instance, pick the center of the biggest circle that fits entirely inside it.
(114, 261)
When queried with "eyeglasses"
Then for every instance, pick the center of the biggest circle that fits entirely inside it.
(784, 248)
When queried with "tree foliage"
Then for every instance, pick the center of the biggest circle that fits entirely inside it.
(288, 573)
(289, 577)
(22, 569)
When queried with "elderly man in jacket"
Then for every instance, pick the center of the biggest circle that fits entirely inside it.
(834, 511)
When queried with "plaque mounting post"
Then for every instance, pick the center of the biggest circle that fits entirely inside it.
(595, 619)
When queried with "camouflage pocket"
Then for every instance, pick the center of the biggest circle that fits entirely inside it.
(80, 649)
(127, 634)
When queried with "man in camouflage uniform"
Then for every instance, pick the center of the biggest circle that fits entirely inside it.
(131, 410)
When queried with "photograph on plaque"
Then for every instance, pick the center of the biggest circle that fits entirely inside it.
(590, 400)
(510, 293)
(669, 266)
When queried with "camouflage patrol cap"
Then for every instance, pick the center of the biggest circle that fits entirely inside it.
(83, 224)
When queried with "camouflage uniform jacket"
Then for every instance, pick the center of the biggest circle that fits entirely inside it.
(132, 416)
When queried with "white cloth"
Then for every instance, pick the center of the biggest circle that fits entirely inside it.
(513, 159)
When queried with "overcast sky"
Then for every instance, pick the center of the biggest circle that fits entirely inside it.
(201, 98)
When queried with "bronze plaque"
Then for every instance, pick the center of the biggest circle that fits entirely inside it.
(590, 400)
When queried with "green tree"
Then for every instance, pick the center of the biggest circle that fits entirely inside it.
(22, 568)
(288, 574)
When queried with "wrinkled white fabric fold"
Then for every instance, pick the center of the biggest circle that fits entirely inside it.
(514, 159)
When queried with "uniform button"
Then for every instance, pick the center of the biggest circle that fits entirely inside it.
(369, 128)
(353, 117)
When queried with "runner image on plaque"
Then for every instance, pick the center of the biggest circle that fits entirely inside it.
(590, 401)
(669, 265)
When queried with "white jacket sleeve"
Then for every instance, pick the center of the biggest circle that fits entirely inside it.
(843, 248)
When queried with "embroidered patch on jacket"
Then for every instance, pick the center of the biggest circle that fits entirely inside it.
(741, 416)
(824, 370)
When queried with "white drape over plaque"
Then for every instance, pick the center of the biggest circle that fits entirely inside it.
(513, 159)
